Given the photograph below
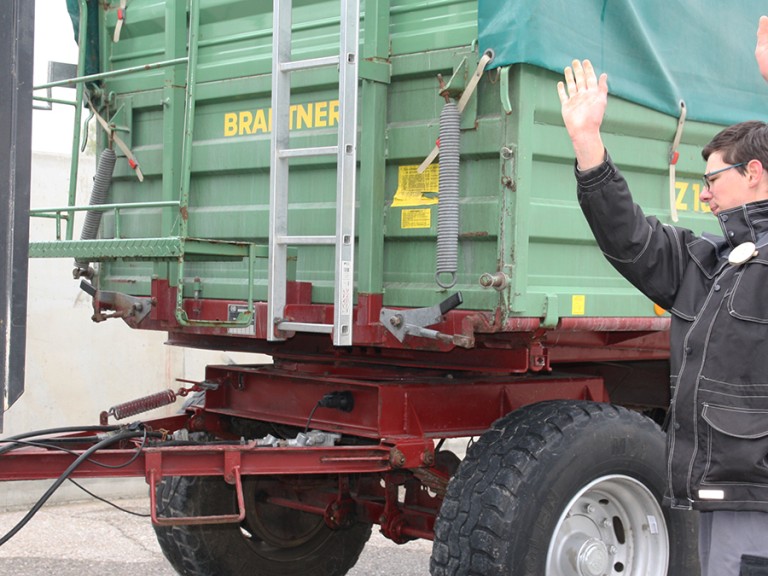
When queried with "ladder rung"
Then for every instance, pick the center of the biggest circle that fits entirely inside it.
(306, 240)
(309, 64)
(305, 327)
(307, 152)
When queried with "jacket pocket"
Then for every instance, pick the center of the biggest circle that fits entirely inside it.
(745, 302)
(737, 441)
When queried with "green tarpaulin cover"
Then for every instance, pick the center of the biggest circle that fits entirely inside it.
(656, 52)
(92, 54)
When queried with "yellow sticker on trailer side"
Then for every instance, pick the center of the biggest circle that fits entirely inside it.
(414, 189)
(416, 218)
(578, 305)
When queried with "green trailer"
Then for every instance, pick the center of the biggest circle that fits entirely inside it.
(380, 196)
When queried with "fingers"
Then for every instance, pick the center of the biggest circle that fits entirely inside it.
(590, 78)
(761, 49)
(570, 81)
(762, 28)
(602, 83)
(579, 77)
(762, 33)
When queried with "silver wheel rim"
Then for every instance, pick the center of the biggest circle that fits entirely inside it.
(612, 527)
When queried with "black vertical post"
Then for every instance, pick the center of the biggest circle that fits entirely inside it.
(17, 22)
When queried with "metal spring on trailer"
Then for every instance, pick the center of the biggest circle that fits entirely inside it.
(145, 404)
(101, 184)
(448, 207)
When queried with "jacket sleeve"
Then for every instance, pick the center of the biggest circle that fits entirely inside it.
(648, 253)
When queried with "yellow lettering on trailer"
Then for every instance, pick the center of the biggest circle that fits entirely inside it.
(688, 196)
(245, 123)
(303, 116)
(323, 114)
(682, 188)
(698, 206)
(260, 124)
(333, 113)
(230, 124)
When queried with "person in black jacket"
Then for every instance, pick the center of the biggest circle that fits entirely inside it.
(716, 289)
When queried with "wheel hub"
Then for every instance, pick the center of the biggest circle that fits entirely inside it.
(604, 530)
(594, 558)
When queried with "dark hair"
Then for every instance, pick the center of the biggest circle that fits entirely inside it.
(741, 143)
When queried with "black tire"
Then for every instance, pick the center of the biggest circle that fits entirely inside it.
(273, 541)
(524, 484)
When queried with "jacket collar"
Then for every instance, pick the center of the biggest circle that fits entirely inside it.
(746, 223)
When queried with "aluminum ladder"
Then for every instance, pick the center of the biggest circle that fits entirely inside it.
(280, 156)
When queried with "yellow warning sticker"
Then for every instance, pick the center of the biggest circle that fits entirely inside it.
(416, 218)
(414, 189)
(578, 304)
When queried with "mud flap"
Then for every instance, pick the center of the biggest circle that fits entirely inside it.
(17, 21)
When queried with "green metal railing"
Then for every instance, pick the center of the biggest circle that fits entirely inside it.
(165, 248)
(63, 212)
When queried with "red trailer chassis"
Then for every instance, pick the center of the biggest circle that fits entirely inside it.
(386, 468)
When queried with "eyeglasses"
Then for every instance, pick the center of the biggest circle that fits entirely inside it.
(706, 178)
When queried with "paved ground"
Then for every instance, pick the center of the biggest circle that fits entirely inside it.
(93, 539)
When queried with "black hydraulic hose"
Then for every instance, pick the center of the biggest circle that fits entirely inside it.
(127, 435)
(58, 444)
(47, 442)
(65, 430)
(101, 183)
(11, 440)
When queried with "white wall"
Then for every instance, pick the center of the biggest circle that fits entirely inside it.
(75, 368)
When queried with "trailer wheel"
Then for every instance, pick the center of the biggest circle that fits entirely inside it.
(564, 488)
(273, 541)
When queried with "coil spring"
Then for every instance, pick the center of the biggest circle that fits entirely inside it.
(448, 207)
(101, 184)
(145, 404)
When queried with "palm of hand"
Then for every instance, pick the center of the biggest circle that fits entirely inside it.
(583, 103)
(584, 109)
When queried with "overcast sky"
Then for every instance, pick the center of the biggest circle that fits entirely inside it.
(54, 40)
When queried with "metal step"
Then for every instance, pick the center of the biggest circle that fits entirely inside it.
(145, 249)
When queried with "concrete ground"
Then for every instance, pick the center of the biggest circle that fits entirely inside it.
(93, 539)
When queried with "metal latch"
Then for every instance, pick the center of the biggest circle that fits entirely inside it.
(413, 321)
(130, 308)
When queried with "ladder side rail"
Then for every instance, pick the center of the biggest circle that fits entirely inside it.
(278, 172)
(347, 172)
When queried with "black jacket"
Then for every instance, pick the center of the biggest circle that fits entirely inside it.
(718, 425)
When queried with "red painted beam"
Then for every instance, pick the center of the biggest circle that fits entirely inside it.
(38, 464)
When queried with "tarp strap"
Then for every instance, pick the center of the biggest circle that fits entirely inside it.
(468, 91)
(674, 155)
(117, 140)
(120, 21)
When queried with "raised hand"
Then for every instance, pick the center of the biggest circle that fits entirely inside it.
(583, 99)
(761, 50)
